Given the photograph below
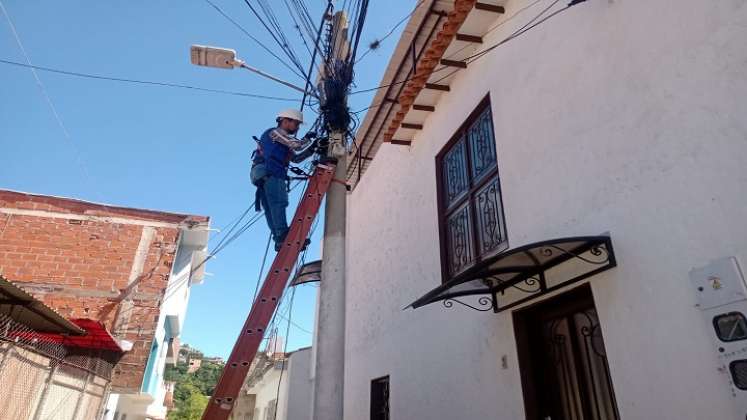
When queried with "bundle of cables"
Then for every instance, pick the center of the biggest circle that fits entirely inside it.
(334, 108)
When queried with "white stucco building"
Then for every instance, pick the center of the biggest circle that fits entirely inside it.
(261, 397)
(618, 121)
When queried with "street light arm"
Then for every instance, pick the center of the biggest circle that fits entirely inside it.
(243, 65)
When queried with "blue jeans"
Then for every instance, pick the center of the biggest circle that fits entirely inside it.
(273, 195)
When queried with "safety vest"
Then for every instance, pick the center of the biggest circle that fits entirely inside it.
(275, 156)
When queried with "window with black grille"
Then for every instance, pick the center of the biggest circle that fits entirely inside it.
(738, 369)
(470, 206)
(731, 326)
(380, 399)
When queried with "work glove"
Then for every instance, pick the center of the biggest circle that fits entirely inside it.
(310, 135)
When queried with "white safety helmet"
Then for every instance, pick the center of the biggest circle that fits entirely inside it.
(292, 114)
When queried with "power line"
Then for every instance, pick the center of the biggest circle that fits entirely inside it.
(378, 41)
(235, 221)
(253, 38)
(498, 25)
(43, 90)
(285, 349)
(327, 11)
(521, 31)
(277, 36)
(479, 54)
(262, 268)
(146, 82)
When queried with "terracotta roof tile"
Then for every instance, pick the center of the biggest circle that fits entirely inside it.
(429, 61)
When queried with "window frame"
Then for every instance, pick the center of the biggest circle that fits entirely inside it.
(375, 382)
(715, 322)
(476, 184)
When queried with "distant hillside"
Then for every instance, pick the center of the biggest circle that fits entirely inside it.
(192, 390)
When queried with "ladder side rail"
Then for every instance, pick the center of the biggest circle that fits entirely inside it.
(251, 335)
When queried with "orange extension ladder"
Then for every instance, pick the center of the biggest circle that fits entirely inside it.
(250, 336)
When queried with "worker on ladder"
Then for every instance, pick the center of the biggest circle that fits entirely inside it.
(276, 148)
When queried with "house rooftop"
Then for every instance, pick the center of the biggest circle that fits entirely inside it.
(38, 202)
(436, 43)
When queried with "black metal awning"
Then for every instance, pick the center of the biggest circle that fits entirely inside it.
(308, 273)
(525, 273)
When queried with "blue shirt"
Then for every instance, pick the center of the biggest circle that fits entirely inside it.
(276, 150)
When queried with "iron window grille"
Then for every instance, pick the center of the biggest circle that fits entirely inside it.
(380, 398)
(471, 218)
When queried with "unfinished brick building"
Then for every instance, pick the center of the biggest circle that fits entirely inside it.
(130, 269)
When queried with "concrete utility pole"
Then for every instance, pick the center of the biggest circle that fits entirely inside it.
(329, 366)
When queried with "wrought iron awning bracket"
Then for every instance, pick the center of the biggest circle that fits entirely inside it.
(531, 278)
(484, 301)
(566, 255)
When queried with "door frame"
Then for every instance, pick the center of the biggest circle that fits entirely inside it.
(528, 350)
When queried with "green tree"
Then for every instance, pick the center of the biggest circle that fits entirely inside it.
(191, 408)
(192, 390)
(206, 377)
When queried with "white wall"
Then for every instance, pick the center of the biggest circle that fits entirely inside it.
(296, 393)
(266, 391)
(620, 116)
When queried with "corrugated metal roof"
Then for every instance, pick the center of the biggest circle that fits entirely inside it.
(25, 309)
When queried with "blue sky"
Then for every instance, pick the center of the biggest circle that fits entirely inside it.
(156, 147)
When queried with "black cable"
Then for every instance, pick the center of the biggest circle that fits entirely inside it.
(262, 268)
(391, 31)
(316, 48)
(517, 34)
(297, 25)
(233, 226)
(236, 220)
(405, 80)
(285, 348)
(478, 55)
(496, 26)
(273, 20)
(253, 38)
(145, 82)
(358, 29)
(228, 240)
(281, 44)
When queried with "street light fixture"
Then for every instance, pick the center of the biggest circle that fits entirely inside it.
(225, 58)
(222, 58)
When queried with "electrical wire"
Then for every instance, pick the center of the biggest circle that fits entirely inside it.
(285, 349)
(480, 54)
(262, 268)
(498, 25)
(253, 38)
(297, 23)
(233, 225)
(313, 56)
(378, 41)
(66, 134)
(277, 36)
(146, 82)
(236, 220)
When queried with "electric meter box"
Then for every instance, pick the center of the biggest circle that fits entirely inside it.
(721, 296)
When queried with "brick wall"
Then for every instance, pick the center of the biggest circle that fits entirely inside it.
(93, 261)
